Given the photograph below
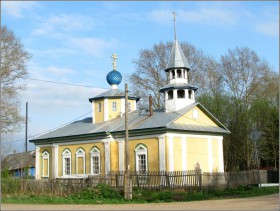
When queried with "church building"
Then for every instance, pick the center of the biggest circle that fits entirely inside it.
(176, 138)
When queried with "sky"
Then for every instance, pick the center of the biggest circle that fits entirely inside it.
(72, 42)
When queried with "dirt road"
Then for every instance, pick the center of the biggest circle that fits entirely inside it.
(269, 202)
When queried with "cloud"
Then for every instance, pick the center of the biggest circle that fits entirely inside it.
(17, 8)
(61, 23)
(268, 28)
(89, 45)
(267, 21)
(53, 105)
(52, 52)
(205, 14)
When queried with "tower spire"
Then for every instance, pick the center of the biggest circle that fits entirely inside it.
(174, 13)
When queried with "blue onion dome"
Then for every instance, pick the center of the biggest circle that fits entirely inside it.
(114, 77)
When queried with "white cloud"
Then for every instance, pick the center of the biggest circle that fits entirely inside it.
(61, 23)
(268, 28)
(53, 105)
(267, 21)
(206, 14)
(92, 46)
(52, 52)
(17, 8)
(59, 71)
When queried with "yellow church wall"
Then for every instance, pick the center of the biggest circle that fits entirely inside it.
(114, 156)
(177, 153)
(197, 151)
(153, 153)
(99, 116)
(49, 150)
(132, 104)
(114, 114)
(215, 154)
(202, 119)
(87, 148)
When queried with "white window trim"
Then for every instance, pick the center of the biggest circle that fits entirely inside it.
(114, 106)
(95, 152)
(65, 155)
(80, 153)
(141, 150)
(45, 156)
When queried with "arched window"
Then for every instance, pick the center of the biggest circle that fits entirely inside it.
(66, 162)
(190, 94)
(179, 73)
(114, 106)
(99, 107)
(95, 161)
(141, 156)
(173, 74)
(80, 161)
(170, 95)
(181, 93)
(45, 164)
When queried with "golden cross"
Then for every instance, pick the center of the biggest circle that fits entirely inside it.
(114, 57)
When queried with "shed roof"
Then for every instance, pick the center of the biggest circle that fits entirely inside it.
(19, 160)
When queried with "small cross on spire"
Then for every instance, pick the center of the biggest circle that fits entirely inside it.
(114, 57)
(174, 13)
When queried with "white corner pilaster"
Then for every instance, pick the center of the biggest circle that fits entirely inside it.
(37, 162)
(221, 154)
(170, 153)
(122, 105)
(107, 154)
(54, 161)
(210, 155)
(106, 115)
(161, 147)
(184, 153)
(121, 155)
(93, 111)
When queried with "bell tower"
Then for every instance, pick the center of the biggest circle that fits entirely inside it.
(178, 93)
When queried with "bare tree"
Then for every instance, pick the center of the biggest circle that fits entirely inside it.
(150, 76)
(13, 69)
(244, 74)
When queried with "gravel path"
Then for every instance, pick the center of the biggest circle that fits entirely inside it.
(269, 202)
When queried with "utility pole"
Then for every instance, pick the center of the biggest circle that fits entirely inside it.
(26, 125)
(127, 181)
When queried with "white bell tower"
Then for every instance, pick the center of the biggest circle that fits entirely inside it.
(178, 93)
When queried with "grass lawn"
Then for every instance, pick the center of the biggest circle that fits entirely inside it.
(103, 194)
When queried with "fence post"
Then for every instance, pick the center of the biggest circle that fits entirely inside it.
(167, 180)
(200, 181)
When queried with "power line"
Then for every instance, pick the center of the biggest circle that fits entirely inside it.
(63, 83)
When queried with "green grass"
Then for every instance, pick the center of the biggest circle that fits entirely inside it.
(103, 194)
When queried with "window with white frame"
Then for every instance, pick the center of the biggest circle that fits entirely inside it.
(80, 161)
(99, 107)
(141, 155)
(45, 164)
(66, 162)
(114, 106)
(95, 161)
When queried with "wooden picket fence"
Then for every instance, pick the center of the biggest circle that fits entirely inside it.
(189, 180)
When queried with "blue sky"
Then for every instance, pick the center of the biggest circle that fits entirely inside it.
(72, 42)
